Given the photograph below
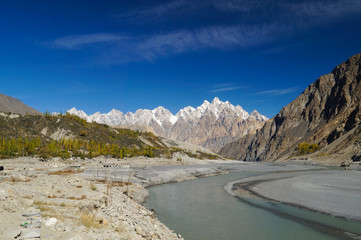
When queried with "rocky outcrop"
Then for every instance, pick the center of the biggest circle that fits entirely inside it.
(327, 113)
(12, 105)
(210, 125)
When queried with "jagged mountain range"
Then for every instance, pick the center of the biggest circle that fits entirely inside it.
(327, 113)
(211, 125)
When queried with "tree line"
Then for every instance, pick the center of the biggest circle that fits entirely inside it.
(67, 148)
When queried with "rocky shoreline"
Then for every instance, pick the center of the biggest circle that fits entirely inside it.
(92, 199)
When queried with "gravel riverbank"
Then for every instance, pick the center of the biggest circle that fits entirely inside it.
(332, 192)
(101, 198)
(88, 199)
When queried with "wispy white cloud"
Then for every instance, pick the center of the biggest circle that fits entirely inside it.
(295, 8)
(323, 9)
(78, 41)
(226, 89)
(239, 5)
(121, 49)
(277, 92)
(154, 11)
(296, 13)
(283, 19)
(217, 37)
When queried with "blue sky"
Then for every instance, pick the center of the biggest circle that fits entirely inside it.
(100, 55)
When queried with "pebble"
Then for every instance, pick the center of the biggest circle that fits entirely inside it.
(30, 234)
(50, 222)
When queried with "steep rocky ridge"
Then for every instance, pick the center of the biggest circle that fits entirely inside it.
(13, 105)
(327, 113)
(211, 125)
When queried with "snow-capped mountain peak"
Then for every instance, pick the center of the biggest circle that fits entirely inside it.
(165, 124)
(161, 115)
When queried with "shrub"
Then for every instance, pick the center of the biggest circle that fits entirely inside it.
(88, 220)
(44, 153)
(65, 154)
(306, 148)
(83, 133)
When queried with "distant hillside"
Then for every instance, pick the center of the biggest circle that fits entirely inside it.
(68, 135)
(324, 122)
(10, 104)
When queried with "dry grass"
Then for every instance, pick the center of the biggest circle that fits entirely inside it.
(75, 198)
(89, 221)
(67, 171)
(79, 186)
(40, 203)
(16, 179)
(42, 206)
(93, 187)
(116, 183)
(52, 196)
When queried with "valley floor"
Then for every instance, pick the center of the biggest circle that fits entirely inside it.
(88, 199)
(102, 198)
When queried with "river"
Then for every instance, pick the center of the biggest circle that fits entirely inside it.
(202, 210)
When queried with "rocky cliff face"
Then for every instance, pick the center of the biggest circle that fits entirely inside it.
(210, 125)
(327, 113)
(13, 105)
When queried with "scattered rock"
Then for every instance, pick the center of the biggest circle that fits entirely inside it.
(75, 238)
(345, 164)
(34, 233)
(50, 222)
(356, 158)
(3, 195)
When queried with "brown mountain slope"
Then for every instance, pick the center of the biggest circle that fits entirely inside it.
(10, 104)
(46, 129)
(327, 113)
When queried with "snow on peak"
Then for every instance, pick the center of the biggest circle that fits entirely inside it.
(256, 115)
(162, 116)
(216, 101)
(72, 110)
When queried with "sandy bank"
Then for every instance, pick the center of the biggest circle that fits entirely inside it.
(330, 191)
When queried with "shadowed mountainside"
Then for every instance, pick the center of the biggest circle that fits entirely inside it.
(327, 113)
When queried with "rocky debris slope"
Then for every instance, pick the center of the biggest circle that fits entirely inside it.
(327, 113)
(72, 207)
(210, 125)
(13, 105)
